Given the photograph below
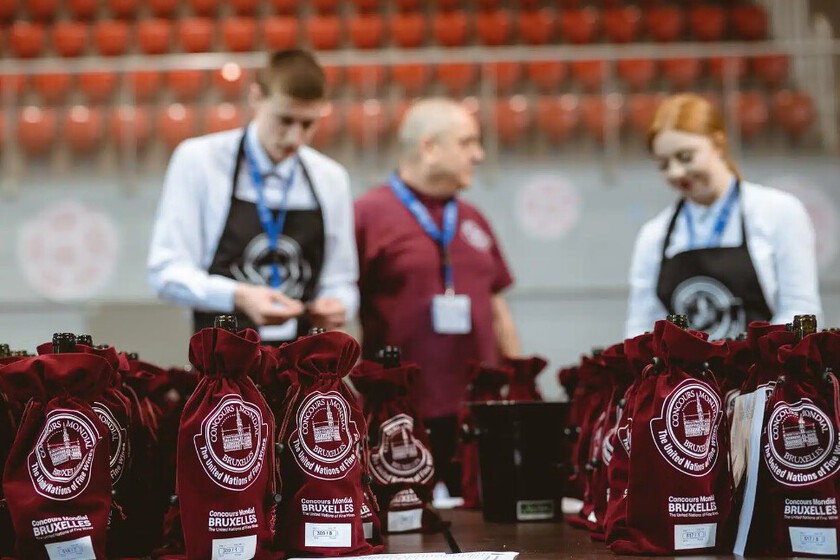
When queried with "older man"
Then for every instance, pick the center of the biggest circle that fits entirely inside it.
(431, 271)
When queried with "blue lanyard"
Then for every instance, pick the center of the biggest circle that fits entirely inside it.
(273, 227)
(720, 224)
(421, 214)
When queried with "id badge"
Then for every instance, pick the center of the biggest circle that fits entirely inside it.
(451, 314)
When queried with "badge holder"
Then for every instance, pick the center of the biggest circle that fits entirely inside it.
(451, 313)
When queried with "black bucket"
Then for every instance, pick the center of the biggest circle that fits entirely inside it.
(523, 457)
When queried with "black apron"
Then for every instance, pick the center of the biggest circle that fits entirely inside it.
(243, 252)
(717, 288)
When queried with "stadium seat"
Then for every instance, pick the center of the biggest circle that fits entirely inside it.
(665, 23)
(447, 5)
(186, 85)
(54, 87)
(176, 123)
(70, 38)
(365, 6)
(505, 75)
(546, 74)
(224, 116)
(8, 9)
(558, 116)
(794, 111)
(280, 32)
(488, 4)
(245, 7)
(408, 30)
(366, 78)
(638, 74)
(230, 80)
(683, 73)
(82, 129)
(718, 66)
(80, 9)
(111, 37)
(641, 108)
(284, 6)
(752, 113)
(154, 36)
(598, 112)
(333, 75)
(26, 40)
(451, 29)
(324, 32)
(408, 5)
(456, 77)
(144, 84)
(328, 127)
(367, 122)
(98, 86)
(326, 6)
(412, 78)
(589, 74)
(707, 22)
(580, 25)
(130, 126)
(36, 130)
(239, 34)
(195, 34)
(749, 22)
(19, 83)
(771, 69)
(366, 31)
(126, 9)
(621, 25)
(204, 8)
(162, 8)
(536, 27)
(493, 27)
(512, 118)
(42, 9)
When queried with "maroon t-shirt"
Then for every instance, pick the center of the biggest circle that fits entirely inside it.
(399, 273)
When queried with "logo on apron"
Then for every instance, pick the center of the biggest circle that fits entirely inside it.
(325, 439)
(60, 463)
(118, 442)
(710, 307)
(400, 456)
(801, 446)
(258, 257)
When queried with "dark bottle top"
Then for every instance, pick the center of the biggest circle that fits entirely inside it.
(226, 322)
(5, 351)
(64, 343)
(680, 320)
(389, 356)
(85, 339)
(132, 356)
(316, 330)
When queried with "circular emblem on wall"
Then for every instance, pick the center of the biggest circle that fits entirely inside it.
(232, 443)
(400, 457)
(258, 258)
(548, 207)
(325, 438)
(800, 446)
(68, 251)
(118, 442)
(60, 462)
(710, 307)
(686, 432)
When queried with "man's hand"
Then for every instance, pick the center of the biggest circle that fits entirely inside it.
(327, 313)
(264, 305)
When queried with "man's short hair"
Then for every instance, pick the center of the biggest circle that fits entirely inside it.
(294, 72)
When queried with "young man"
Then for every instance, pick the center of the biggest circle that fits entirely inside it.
(431, 272)
(253, 221)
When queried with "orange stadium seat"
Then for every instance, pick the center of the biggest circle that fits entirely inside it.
(327, 128)
(456, 77)
(749, 22)
(224, 116)
(580, 25)
(42, 9)
(163, 8)
(366, 5)
(82, 129)
(8, 9)
(771, 69)
(366, 78)
(280, 32)
(154, 36)
(36, 128)
(144, 84)
(707, 22)
(512, 117)
(621, 25)
(333, 75)
(451, 29)
(488, 4)
(324, 32)
(366, 31)
(284, 6)
(589, 74)
(82, 9)
(239, 34)
(325, 6)
(245, 7)
(505, 75)
(412, 78)
(18, 83)
(546, 74)
(493, 27)
(230, 80)
(98, 86)
(26, 40)
(408, 5)
(794, 111)
(641, 107)
(205, 8)
(752, 113)
(599, 112)
(558, 116)
(367, 122)
(176, 123)
(125, 9)
(70, 38)
(718, 67)
(186, 85)
(637, 73)
(131, 125)
(529, 4)
(111, 37)
(665, 23)
(536, 27)
(447, 5)
(52, 87)
(196, 34)
(683, 73)
(409, 29)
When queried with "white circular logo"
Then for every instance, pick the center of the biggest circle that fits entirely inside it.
(686, 432)
(548, 207)
(60, 463)
(257, 260)
(232, 442)
(400, 457)
(118, 442)
(475, 235)
(325, 438)
(710, 307)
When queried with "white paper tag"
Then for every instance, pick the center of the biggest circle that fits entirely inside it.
(77, 549)
(701, 535)
(328, 535)
(752, 408)
(286, 331)
(813, 540)
(368, 528)
(451, 314)
(234, 548)
(405, 520)
(534, 510)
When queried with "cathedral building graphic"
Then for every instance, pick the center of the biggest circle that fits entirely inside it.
(64, 451)
(326, 431)
(239, 438)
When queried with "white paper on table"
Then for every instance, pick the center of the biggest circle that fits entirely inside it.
(437, 555)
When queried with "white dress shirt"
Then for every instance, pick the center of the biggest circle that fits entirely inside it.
(194, 206)
(780, 238)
